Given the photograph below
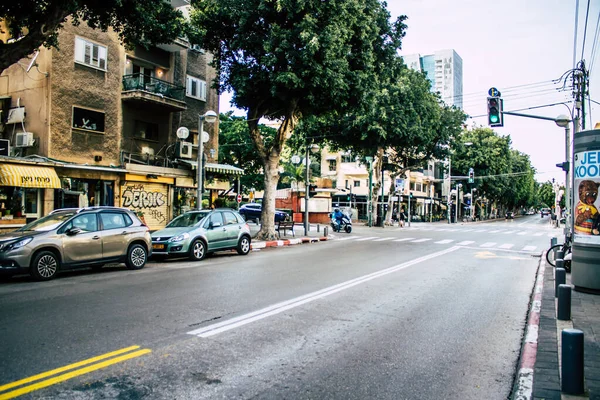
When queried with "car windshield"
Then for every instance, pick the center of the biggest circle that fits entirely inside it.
(47, 223)
(189, 219)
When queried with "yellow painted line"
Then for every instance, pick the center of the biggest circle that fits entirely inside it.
(72, 374)
(66, 368)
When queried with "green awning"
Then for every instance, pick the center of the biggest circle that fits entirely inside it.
(224, 169)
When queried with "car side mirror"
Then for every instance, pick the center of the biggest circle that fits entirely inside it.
(214, 225)
(73, 231)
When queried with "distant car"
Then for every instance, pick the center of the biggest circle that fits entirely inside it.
(509, 215)
(197, 233)
(545, 211)
(75, 238)
(253, 211)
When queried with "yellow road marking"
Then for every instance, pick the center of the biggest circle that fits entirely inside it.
(69, 375)
(489, 254)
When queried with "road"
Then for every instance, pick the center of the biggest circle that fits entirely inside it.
(427, 312)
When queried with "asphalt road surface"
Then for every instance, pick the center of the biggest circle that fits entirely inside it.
(434, 311)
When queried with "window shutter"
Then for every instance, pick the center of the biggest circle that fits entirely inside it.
(202, 94)
(102, 57)
(188, 86)
(79, 50)
(88, 54)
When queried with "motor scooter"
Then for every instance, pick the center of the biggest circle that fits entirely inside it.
(344, 224)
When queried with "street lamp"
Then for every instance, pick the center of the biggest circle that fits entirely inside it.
(210, 117)
(312, 149)
(450, 183)
(369, 159)
(563, 121)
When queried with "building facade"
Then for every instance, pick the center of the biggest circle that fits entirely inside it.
(102, 121)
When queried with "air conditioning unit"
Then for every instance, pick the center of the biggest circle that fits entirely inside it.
(24, 139)
(147, 150)
(184, 150)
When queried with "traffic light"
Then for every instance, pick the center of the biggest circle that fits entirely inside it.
(494, 106)
(410, 195)
(312, 190)
(471, 175)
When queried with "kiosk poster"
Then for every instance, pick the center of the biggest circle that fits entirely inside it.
(585, 193)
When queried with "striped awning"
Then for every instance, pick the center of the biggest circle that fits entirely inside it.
(218, 168)
(28, 176)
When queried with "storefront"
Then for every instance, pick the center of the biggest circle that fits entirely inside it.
(87, 186)
(148, 195)
(24, 189)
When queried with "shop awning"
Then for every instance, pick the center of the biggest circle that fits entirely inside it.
(29, 176)
(219, 168)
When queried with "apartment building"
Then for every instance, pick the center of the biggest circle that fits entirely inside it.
(96, 124)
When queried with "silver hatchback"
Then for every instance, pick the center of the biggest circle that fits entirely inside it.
(75, 238)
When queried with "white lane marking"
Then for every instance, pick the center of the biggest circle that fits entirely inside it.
(366, 238)
(481, 230)
(403, 240)
(506, 246)
(523, 233)
(275, 309)
(508, 232)
(346, 238)
(445, 241)
(420, 240)
(383, 239)
(496, 231)
(529, 248)
(538, 234)
(465, 243)
(488, 244)
(467, 230)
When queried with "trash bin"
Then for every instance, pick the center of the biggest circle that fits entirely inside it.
(585, 267)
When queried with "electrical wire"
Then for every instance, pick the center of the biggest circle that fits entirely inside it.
(595, 45)
(587, 13)
(575, 33)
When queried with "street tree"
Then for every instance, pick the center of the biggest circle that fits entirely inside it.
(400, 119)
(285, 60)
(30, 24)
(236, 148)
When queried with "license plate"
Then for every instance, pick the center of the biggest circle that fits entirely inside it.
(157, 246)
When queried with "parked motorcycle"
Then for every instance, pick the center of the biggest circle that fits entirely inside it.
(344, 224)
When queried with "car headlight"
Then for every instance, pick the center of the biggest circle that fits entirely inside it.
(180, 238)
(16, 245)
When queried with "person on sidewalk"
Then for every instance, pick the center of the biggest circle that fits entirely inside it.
(402, 218)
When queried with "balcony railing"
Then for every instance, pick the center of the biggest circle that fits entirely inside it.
(153, 85)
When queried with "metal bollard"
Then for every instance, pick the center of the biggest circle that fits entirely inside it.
(553, 241)
(318, 228)
(572, 361)
(560, 278)
(564, 303)
(325, 229)
(559, 263)
(559, 254)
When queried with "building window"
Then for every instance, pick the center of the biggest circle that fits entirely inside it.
(356, 183)
(195, 88)
(87, 119)
(146, 130)
(332, 165)
(90, 54)
(347, 158)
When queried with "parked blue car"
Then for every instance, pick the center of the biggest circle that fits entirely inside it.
(253, 211)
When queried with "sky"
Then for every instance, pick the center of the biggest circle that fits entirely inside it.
(521, 48)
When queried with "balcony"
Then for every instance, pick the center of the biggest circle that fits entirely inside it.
(145, 89)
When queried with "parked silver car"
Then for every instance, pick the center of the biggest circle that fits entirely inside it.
(76, 238)
(197, 233)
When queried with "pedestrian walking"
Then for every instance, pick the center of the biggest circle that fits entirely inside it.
(402, 218)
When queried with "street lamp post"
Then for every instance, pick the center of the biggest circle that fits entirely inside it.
(210, 116)
(563, 121)
(458, 187)
(312, 148)
(472, 204)
(370, 200)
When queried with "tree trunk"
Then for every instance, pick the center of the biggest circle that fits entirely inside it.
(267, 229)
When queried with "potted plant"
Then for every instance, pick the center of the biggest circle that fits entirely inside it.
(16, 207)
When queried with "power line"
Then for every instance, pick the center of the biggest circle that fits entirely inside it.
(595, 45)
(587, 13)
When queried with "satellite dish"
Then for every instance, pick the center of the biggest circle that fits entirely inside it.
(183, 132)
(205, 137)
(32, 62)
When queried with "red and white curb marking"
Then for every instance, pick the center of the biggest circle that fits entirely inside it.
(287, 242)
(524, 389)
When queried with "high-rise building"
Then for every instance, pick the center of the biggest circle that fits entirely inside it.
(444, 71)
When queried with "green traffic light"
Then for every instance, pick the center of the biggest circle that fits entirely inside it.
(494, 119)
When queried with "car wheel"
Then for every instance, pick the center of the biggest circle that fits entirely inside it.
(243, 246)
(197, 250)
(45, 266)
(136, 257)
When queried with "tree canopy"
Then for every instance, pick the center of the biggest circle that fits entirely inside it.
(31, 24)
(290, 59)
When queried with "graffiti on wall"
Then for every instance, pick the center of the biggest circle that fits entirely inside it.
(151, 200)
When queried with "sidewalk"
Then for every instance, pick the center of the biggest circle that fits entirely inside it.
(585, 316)
(315, 234)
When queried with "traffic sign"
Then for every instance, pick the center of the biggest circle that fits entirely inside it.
(493, 92)
(239, 198)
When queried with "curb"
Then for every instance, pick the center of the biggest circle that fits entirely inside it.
(288, 242)
(524, 379)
